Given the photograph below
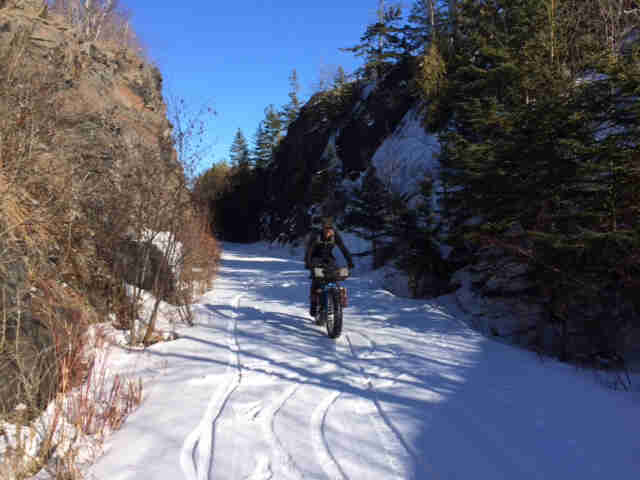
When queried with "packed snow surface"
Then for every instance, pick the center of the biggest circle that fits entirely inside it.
(256, 391)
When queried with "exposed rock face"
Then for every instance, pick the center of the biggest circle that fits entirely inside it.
(99, 132)
(630, 41)
(348, 124)
(128, 258)
(95, 79)
(375, 118)
(496, 290)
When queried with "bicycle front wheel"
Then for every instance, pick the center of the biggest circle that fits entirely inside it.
(334, 314)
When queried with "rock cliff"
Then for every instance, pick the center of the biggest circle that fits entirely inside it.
(86, 152)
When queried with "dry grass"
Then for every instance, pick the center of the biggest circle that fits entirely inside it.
(71, 190)
(42, 268)
(77, 419)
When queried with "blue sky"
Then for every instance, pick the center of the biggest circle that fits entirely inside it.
(237, 55)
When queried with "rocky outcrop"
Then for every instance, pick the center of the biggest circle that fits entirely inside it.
(337, 130)
(142, 264)
(95, 79)
(98, 137)
(497, 292)
(375, 117)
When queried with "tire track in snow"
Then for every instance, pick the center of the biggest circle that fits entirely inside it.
(278, 450)
(326, 459)
(388, 434)
(197, 451)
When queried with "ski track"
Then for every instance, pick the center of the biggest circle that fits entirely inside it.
(197, 451)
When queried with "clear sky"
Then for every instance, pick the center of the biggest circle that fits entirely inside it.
(237, 55)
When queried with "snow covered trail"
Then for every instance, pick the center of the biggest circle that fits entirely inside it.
(256, 391)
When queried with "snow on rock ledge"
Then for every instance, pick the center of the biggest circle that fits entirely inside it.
(405, 157)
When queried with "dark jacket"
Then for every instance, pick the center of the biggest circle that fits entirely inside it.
(320, 250)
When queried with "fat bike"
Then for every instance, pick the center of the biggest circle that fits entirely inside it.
(332, 298)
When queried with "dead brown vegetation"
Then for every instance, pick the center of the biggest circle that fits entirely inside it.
(106, 21)
(77, 182)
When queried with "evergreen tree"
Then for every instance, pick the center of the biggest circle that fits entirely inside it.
(532, 148)
(383, 43)
(267, 138)
(239, 152)
(291, 110)
(369, 214)
(261, 153)
(427, 20)
(413, 236)
(340, 78)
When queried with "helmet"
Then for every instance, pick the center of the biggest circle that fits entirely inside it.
(328, 232)
(327, 222)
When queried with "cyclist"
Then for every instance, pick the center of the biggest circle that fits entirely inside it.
(319, 252)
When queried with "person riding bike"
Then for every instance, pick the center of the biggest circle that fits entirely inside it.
(320, 253)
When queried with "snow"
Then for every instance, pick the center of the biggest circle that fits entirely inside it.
(591, 77)
(404, 158)
(256, 391)
(368, 90)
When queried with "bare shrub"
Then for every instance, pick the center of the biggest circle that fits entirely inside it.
(91, 410)
(169, 217)
(48, 265)
(72, 192)
(28, 206)
(200, 256)
(106, 21)
(101, 404)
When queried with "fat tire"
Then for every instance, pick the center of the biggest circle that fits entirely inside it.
(322, 315)
(334, 328)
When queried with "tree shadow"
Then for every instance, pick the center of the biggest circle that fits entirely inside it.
(456, 403)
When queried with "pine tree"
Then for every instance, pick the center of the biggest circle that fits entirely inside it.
(531, 147)
(261, 153)
(413, 236)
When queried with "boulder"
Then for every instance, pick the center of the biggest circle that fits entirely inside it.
(138, 263)
(517, 318)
